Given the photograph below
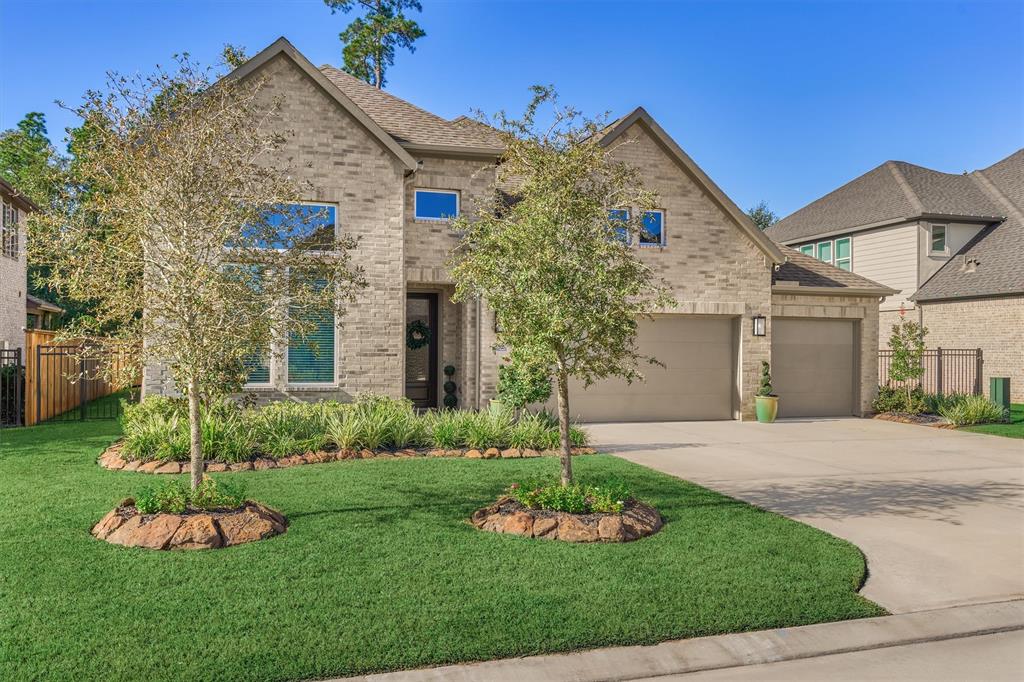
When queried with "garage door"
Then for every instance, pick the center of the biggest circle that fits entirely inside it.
(813, 367)
(695, 383)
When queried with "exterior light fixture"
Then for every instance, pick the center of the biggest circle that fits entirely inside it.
(759, 325)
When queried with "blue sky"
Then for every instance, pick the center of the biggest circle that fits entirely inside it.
(780, 101)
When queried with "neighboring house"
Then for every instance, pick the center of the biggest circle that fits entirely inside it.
(41, 314)
(13, 269)
(952, 244)
(391, 174)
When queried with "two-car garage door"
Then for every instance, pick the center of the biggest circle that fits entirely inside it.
(696, 382)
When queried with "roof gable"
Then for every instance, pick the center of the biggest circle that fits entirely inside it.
(717, 196)
(281, 46)
(809, 272)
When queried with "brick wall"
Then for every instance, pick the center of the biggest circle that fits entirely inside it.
(12, 295)
(864, 309)
(996, 325)
(349, 168)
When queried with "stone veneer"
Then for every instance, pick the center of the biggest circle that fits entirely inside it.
(864, 309)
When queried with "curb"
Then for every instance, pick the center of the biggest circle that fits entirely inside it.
(729, 651)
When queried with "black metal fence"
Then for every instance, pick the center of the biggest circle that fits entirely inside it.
(946, 370)
(12, 388)
(69, 386)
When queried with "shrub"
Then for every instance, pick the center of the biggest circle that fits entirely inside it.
(156, 436)
(892, 399)
(175, 497)
(286, 428)
(445, 428)
(227, 434)
(487, 428)
(972, 409)
(765, 388)
(519, 386)
(577, 498)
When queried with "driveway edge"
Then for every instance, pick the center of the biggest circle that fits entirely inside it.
(729, 651)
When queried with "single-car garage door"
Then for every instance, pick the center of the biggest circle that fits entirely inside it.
(813, 367)
(697, 381)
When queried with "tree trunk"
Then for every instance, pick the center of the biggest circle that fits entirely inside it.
(196, 443)
(563, 422)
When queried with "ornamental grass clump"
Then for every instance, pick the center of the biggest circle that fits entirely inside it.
(576, 498)
(973, 409)
(174, 497)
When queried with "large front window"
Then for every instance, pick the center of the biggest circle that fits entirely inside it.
(435, 204)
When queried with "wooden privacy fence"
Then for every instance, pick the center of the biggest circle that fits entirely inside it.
(946, 370)
(63, 380)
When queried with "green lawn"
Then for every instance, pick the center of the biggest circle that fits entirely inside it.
(379, 570)
(1013, 429)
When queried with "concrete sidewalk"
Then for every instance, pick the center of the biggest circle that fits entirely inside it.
(730, 654)
(938, 513)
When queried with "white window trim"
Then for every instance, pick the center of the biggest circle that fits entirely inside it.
(416, 201)
(835, 252)
(831, 251)
(814, 249)
(664, 236)
(945, 240)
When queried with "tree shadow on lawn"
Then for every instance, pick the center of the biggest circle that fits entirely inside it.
(917, 498)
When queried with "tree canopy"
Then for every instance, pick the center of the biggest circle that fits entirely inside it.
(763, 216)
(370, 40)
(188, 241)
(550, 253)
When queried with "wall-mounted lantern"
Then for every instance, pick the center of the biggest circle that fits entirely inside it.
(759, 325)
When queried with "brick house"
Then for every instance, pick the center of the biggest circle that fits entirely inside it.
(13, 270)
(952, 244)
(390, 173)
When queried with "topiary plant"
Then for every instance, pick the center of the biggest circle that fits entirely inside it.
(765, 390)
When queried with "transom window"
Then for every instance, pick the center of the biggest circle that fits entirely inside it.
(834, 251)
(10, 231)
(938, 239)
(844, 254)
(807, 250)
(435, 204)
(654, 229)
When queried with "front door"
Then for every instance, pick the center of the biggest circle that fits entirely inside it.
(421, 349)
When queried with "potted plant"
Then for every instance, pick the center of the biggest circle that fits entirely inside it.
(767, 402)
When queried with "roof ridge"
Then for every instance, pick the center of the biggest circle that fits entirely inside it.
(901, 181)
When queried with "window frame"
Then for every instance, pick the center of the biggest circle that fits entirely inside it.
(416, 204)
(831, 251)
(10, 231)
(286, 361)
(835, 253)
(628, 241)
(813, 253)
(944, 251)
(662, 238)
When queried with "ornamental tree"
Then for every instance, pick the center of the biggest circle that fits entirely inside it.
(906, 341)
(551, 257)
(175, 227)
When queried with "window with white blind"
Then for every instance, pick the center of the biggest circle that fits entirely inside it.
(10, 235)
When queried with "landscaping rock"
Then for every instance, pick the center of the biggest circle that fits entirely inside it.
(473, 454)
(153, 532)
(241, 466)
(246, 526)
(511, 453)
(366, 454)
(509, 516)
(149, 467)
(491, 453)
(438, 453)
(530, 452)
(262, 464)
(108, 524)
(168, 468)
(455, 453)
(216, 467)
(197, 532)
(132, 465)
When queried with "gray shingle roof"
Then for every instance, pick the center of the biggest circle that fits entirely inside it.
(811, 272)
(892, 191)
(407, 123)
(991, 264)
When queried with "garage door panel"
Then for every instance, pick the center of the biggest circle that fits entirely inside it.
(813, 367)
(696, 381)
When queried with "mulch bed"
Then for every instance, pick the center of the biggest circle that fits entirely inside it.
(193, 529)
(112, 459)
(507, 515)
(932, 420)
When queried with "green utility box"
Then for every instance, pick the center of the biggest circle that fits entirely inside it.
(999, 391)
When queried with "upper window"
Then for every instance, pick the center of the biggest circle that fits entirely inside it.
(620, 216)
(825, 251)
(654, 229)
(9, 231)
(436, 204)
(807, 249)
(938, 239)
(288, 225)
(843, 255)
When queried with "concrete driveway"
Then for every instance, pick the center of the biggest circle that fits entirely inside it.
(939, 513)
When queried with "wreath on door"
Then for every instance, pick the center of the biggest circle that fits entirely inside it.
(417, 334)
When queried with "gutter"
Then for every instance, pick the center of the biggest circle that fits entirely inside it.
(833, 291)
(950, 217)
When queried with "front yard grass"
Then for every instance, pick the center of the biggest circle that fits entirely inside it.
(379, 570)
(1012, 429)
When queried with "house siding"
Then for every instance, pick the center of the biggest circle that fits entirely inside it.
(889, 256)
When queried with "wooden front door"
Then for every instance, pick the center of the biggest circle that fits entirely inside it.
(421, 339)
